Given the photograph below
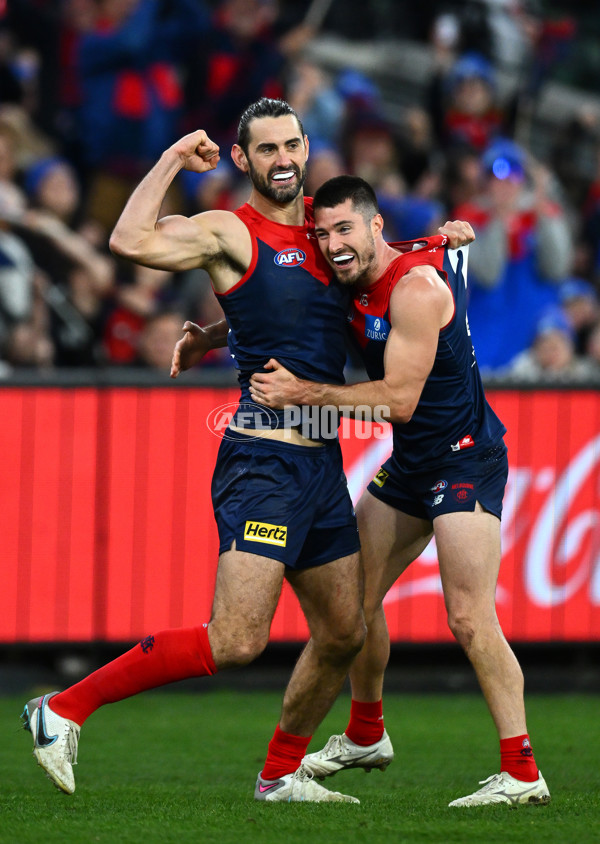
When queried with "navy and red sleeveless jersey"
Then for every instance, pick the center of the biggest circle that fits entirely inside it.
(287, 305)
(452, 414)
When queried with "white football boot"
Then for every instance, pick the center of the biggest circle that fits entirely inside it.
(502, 788)
(298, 787)
(340, 753)
(54, 741)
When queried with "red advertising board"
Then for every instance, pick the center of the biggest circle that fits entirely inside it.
(108, 533)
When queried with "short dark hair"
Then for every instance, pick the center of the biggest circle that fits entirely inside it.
(337, 190)
(264, 107)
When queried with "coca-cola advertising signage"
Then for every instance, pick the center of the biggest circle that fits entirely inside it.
(108, 532)
(549, 584)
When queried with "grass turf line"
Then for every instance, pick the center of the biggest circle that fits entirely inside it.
(180, 767)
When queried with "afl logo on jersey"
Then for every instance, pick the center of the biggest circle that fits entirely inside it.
(290, 257)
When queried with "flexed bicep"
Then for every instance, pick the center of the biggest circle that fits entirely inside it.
(175, 242)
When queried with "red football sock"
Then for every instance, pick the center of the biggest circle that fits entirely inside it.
(366, 722)
(516, 758)
(285, 754)
(164, 658)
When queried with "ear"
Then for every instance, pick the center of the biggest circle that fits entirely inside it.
(377, 225)
(239, 158)
(306, 146)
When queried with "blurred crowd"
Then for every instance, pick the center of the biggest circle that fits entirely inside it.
(92, 91)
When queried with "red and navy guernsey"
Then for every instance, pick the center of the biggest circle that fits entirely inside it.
(287, 305)
(452, 413)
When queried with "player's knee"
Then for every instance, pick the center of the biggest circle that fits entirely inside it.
(344, 642)
(248, 649)
(237, 648)
(462, 629)
(356, 637)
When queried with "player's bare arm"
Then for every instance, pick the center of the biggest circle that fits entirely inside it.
(176, 242)
(195, 343)
(420, 305)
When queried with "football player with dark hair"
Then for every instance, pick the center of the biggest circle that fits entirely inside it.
(445, 478)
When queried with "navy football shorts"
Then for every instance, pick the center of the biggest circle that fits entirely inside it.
(454, 488)
(287, 502)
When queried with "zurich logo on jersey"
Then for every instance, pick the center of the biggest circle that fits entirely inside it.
(376, 328)
(290, 257)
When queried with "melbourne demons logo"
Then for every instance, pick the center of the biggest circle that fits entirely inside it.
(290, 257)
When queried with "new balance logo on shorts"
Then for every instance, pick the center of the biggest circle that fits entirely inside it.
(264, 532)
(465, 442)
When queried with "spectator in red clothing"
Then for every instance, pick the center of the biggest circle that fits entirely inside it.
(137, 300)
(130, 68)
(242, 58)
(522, 253)
(238, 62)
(467, 108)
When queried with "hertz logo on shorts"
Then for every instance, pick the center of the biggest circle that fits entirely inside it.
(264, 532)
(381, 477)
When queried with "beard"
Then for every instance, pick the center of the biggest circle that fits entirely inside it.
(361, 273)
(283, 194)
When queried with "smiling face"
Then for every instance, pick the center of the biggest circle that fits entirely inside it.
(347, 240)
(276, 157)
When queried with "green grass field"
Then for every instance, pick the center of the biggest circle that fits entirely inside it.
(180, 767)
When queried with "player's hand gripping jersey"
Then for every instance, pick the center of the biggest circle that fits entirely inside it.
(287, 306)
(452, 414)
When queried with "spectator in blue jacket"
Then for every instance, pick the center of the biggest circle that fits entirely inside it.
(522, 253)
(130, 65)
